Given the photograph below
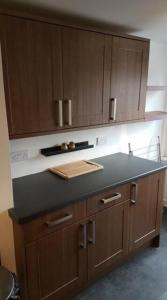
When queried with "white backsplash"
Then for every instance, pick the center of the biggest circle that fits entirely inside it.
(118, 137)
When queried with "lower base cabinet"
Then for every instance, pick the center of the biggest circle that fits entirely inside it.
(110, 241)
(145, 210)
(58, 261)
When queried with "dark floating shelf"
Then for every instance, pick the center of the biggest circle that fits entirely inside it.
(57, 149)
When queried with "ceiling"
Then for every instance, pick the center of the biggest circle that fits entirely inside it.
(146, 18)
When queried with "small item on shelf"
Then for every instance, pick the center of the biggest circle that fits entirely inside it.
(64, 146)
(71, 146)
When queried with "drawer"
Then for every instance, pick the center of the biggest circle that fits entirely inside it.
(108, 198)
(54, 221)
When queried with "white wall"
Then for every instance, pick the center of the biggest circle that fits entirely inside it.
(6, 200)
(5, 175)
(139, 134)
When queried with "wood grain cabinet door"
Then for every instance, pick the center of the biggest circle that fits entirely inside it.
(108, 238)
(32, 71)
(128, 79)
(84, 54)
(145, 209)
(56, 264)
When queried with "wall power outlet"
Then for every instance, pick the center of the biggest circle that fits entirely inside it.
(101, 140)
(18, 156)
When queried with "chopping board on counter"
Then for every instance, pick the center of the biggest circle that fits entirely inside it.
(77, 168)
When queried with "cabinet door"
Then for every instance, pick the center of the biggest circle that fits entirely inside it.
(32, 71)
(108, 236)
(145, 210)
(83, 76)
(56, 264)
(128, 79)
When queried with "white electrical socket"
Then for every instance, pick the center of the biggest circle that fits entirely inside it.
(18, 156)
(101, 140)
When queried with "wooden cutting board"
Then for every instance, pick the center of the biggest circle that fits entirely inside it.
(77, 168)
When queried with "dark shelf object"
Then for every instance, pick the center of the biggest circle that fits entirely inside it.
(57, 149)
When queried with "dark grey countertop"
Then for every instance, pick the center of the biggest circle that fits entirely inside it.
(37, 194)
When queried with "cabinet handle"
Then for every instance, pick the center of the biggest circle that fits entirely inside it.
(113, 109)
(134, 186)
(115, 197)
(93, 239)
(69, 112)
(59, 221)
(84, 243)
(60, 102)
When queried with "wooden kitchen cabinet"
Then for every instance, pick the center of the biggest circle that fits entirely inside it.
(32, 75)
(51, 253)
(54, 76)
(129, 70)
(108, 238)
(63, 251)
(84, 56)
(60, 77)
(145, 209)
(57, 264)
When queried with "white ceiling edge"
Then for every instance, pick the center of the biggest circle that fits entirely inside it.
(137, 17)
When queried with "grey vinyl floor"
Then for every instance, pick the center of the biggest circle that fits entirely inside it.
(143, 278)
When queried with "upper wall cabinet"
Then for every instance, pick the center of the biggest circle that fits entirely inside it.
(60, 78)
(84, 54)
(54, 76)
(32, 75)
(128, 79)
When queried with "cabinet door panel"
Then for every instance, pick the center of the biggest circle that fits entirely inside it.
(32, 56)
(145, 214)
(128, 78)
(60, 264)
(83, 71)
(111, 241)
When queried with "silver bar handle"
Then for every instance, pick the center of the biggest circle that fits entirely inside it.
(113, 109)
(93, 239)
(60, 102)
(134, 185)
(69, 112)
(59, 221)
(108, 200)
(84, 243)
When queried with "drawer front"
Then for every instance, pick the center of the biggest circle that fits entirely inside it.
(54, 221)
(108, 198)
